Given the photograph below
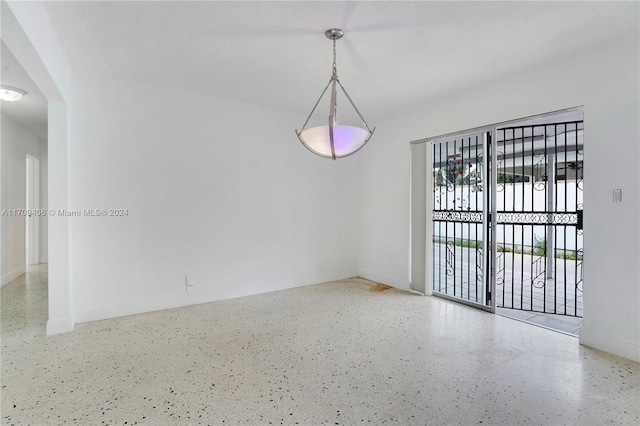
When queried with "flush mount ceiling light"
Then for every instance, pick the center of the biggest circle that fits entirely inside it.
(11, 94)
(334, 140)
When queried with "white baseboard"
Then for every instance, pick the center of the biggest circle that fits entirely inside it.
(59, 326)
(610, 344)
(213, 295)
(12, 275)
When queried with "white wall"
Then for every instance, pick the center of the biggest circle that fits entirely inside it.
(215, 189)
(606, 81)
(17, 142)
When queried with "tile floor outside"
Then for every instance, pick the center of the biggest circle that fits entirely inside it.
(516, 295)
(332, 353)
(565, 324)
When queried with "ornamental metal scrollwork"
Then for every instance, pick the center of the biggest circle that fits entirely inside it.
(539, 154)
(499, 160)
(540, 171)
(451, 257)
(538, 283)
(531, 218)
(479, 263)
(538, 218)
(457, 216)
(500, 268)
(538, 268)
(579, 272)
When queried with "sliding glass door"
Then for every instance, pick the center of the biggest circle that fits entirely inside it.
(460, 202)
(497, 215)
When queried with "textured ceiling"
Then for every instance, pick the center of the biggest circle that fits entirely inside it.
(395, 55)
(31, 110)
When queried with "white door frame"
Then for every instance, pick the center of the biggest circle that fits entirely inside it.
(32, 219)
(25, 34)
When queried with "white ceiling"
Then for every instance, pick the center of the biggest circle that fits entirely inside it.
(395, 55)
(31, 110)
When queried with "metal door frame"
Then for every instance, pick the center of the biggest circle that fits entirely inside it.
(486, 262)
(533, 170)
(489, 199)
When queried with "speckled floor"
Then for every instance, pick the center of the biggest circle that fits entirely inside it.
(333, 353)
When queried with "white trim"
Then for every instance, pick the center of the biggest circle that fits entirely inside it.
(195, 298)
(418, 222)
(492, 231)
(490, 127)
(428, 241)
(32, 222)
(12, 275)
(610, 344)
(59, 326)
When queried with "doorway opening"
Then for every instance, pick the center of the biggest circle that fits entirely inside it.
(25, 289)
(539, 232)
(30, 48)
(506, 218)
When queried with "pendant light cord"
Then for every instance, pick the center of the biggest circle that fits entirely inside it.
(335, 67)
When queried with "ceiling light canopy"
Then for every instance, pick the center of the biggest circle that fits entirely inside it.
(11, 94)
(334, 140)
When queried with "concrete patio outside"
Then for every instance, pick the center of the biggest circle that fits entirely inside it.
(522, 292)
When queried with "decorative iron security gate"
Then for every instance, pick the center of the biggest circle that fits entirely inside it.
(510, 228)
(539, 218)
(459, 219)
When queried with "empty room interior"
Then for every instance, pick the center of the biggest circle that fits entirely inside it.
(320, 212)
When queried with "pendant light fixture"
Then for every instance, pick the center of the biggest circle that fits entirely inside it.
(334, 140)
(11, 94)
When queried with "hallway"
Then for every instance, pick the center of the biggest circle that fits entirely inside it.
(24, 306)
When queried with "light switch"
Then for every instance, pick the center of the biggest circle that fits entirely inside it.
(617, 195)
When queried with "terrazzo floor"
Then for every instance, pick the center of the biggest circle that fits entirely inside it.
(333, 353)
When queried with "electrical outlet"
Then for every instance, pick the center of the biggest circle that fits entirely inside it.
(617, 195)
(188, 283)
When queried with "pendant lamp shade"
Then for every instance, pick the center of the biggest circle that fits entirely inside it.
(335, 140)
(11, 94)
(346, 140)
